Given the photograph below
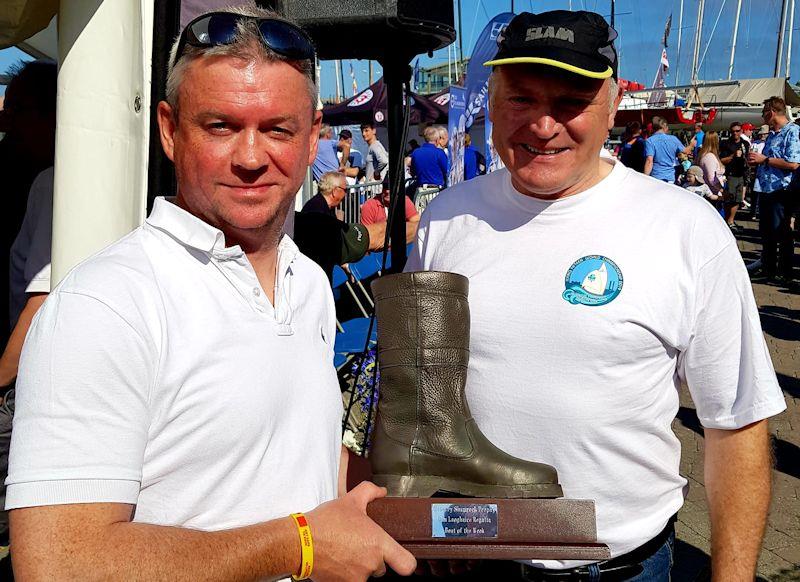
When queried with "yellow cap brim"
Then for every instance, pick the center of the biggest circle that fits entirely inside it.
(553, 63)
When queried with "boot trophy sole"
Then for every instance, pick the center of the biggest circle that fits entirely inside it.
(428, 486)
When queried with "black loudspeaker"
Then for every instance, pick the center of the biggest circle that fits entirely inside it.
(372, 29)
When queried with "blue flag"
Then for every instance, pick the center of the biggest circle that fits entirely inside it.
(478, 75)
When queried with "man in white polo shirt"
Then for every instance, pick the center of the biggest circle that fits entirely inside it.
(177, 399)
(594, 292)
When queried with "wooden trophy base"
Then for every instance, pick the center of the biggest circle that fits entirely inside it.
(491, 529)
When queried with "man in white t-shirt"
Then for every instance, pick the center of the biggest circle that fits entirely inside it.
(377, 157)
(595, 291)
(176, 400)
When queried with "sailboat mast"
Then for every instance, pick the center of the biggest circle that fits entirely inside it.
(449, 67)
(698, 34)
(789, 44)
(735, 35)
(779, 52)
(678, 56)
(336, 65)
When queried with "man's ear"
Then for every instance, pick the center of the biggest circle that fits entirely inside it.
(167, 124)
(313, 140)
(613, 113)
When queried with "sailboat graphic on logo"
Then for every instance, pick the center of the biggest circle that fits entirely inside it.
(595, 282)
(592, 280)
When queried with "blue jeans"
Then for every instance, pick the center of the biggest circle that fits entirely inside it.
(776, 234)
(656, 568)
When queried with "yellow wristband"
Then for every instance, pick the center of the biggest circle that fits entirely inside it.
(306, 547)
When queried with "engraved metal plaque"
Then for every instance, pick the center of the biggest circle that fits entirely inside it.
(464, 520)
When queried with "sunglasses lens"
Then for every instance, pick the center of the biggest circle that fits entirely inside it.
(286, 39)
(215, 29)
(220, 28)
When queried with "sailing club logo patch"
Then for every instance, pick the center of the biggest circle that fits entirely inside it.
(592, 280)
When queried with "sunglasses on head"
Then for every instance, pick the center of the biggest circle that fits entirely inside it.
(219, 28)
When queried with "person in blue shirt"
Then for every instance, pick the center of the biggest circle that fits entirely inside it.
(429, 165)
(351, 161)
(775, 166)
(661, 152)
(326, 160)
(474, 162)
(697, 140)
(632, 150)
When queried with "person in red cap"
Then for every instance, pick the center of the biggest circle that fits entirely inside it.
(595, 292)
(747, 132)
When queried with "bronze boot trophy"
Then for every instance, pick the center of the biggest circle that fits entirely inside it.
(425, 443)
(425, 439)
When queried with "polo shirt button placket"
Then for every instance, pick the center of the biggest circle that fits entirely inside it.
(259, 303)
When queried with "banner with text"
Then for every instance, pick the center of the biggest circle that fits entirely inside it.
(477, 85)
(456, 130)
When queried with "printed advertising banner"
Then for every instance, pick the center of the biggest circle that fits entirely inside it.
(477, 88)
(456, 129)
(493, 161)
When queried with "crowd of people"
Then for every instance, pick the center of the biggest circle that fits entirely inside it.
(178, 415)
(743, 169)
(340, 170)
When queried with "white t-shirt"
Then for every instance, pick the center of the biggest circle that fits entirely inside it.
(158, 374)
(701, 190)
(587, 312)
(30, 253)
(377, 157)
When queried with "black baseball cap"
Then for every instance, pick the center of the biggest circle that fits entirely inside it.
(579, 42)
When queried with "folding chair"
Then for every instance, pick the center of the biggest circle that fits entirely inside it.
(363, 269)
(352, 336)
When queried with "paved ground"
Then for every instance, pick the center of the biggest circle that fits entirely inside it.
(780, 558)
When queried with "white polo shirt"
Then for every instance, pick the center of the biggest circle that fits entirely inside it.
(158, 374)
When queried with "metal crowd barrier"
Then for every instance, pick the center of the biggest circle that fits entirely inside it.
(356, 195)
(424, 197)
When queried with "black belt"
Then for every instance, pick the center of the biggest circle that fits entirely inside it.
(619, 568)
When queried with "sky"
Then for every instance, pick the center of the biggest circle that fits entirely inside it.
(640, 24)
(7, 58)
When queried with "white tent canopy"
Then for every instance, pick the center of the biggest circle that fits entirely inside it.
(749, 92)
(22, 19)
(43, 44)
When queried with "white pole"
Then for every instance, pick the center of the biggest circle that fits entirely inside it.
(789, 43)
(735, 34)
(698, 33)
(102, 133)
(779, 52)
(678, 56)
(336, 65)
(449, 68)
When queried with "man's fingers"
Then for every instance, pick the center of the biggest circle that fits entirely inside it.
(398, 558)
(365, 492)
(380, 571)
